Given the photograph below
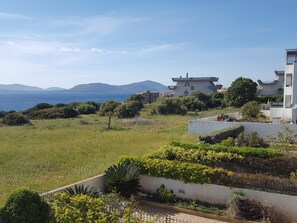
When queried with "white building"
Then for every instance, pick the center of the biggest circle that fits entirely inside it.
(273, 87)
(288, 112)
(187, 85)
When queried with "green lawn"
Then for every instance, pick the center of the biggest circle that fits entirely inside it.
(53, 153)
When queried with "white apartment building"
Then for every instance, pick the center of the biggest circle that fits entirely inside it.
(187, 85)
(288, 112)
(272, 87)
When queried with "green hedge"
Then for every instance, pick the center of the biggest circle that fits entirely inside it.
(243, 151)
(186, 172)
(219, 136)
(205, 157)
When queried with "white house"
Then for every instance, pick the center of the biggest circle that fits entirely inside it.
(273, 87)
(187, 85)
(288, 112)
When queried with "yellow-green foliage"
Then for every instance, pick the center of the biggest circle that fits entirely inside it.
(80, 209)
(186, 172)
(207, 157)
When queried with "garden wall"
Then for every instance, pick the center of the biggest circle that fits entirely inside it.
(97, 181)
(216, 194)
(201, 127)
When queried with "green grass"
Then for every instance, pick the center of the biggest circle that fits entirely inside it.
(53, 153)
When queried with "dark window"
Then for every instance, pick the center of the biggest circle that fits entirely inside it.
(288, 80)
(186, 92)
(192, 88)
(187, 83)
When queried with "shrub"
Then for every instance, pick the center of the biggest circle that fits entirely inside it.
(13, 119)
(23, 206)
(122, 178)
(192, 103)
(251, 140)
(186, 172)
(168, 106)
(128, 109)
(228, 142)
(245, 208)
(53, 113)
(80, 208)
(243, 151)
(250, 110)
(42, 106)
(164, 195)
(81, 189)
(95, 104)
(218, 136)
(210, 158)
(86, 109)
(60, 105)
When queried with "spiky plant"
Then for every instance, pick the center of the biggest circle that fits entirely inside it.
(122, 178)
(81, 189)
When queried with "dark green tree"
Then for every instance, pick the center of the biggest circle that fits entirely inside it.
(241, 91)
(107, 109)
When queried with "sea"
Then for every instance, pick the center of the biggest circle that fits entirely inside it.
(19, 101)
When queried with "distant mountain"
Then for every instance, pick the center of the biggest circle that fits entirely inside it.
(134, 87)
(55, 89)
(18, 87)
(92, 87)
(143, 86)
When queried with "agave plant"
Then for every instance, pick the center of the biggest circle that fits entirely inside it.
(81, 189)
(122, 178)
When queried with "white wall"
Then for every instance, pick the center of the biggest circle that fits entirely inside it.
(97, 181)
(264, 130)
(217, 194)
(202, 86)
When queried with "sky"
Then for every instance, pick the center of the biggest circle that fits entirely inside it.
(62, 43)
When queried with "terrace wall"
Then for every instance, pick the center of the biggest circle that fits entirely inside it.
(202, 127)
(211, 193)
(217, 194)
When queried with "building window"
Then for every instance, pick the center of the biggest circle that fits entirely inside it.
(192, 88)
(186, 92)
(187, 83)
(291, 58)
(288, 101)
(288, 80)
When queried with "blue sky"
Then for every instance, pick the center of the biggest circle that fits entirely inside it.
(66, 42)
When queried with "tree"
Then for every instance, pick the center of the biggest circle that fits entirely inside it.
(241, 91)
(107, 109)
(128, 109)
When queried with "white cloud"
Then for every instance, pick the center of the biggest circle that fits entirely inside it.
(11, 43)
(67, 49)
(97, 50)
(13, 16)
(163, 47)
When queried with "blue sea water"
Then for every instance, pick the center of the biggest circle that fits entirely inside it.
(23, 100)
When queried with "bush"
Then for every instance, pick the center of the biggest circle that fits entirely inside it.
(80, 208)
(53, 113)
(13, 119)
(245, 208)
(243, 151)
(217, 137)
(128, 109)
(108, 108)
(251, 140)
(95, 104)
(41, 106)
(168, 106)
(122, 178)
(164, 195)
(186, 172)
(250, 110)
(86, 109)
(228, 142)
(23, 206)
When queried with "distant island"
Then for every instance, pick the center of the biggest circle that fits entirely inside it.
(91, 87)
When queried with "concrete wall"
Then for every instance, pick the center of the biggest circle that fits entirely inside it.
(217, 194)
(97, 181)
(264, 130)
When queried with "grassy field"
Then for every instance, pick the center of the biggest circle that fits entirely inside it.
(53, 153)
